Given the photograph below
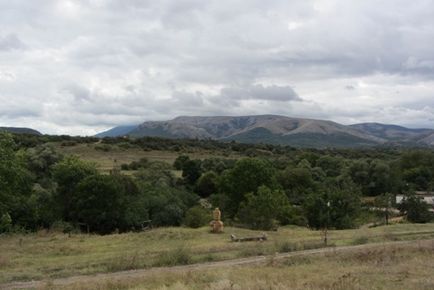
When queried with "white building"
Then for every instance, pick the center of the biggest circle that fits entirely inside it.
(426, 196)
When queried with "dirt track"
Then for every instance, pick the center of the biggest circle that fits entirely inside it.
(227, 263)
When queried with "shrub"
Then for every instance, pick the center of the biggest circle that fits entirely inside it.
(207, 184)
(417, 210)
(264, 209)
(197, 217)
(5, 223)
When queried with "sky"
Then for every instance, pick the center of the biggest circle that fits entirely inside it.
(81, 66)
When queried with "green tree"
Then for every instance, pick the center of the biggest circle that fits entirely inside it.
(197, 217)
(264, 209)
(15, 183)
(384, 203)
(68, 173)
(416, 209)
(99, 203)
(334, 208)
(180, 161)
(207, 184)
(191, 171)
(297, 183)
(246, 176)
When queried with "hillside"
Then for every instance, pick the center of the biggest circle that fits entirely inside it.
(394, 133)
(19, 130)
(117, 131)
(274, 129)
(260, 129)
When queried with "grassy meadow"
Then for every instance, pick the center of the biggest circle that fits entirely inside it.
(400, 267)
(107, 160)
(46, 255)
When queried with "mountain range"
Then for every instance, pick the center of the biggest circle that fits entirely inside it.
(274, 129)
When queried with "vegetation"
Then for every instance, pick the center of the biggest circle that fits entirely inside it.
(399, 267)
(48, 255)
(256, 186)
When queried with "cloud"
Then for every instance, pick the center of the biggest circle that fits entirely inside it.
(11, 42)
(79, 66)
(260, 92)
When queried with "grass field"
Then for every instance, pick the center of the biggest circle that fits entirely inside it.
(400, 267)
(50, 255)
(117, 156)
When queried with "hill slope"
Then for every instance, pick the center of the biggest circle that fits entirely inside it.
(18, 130)
(117, 131)
(276, 129)
(394, 133)
(260, 129)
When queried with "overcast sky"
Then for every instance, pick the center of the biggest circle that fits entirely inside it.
(81, 66)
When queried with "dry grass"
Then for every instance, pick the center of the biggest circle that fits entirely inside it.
(52, 255)
(396, 267)
(117, 156)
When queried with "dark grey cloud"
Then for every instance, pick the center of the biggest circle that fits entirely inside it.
(79, 66)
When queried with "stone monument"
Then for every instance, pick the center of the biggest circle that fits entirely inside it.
(216, 224)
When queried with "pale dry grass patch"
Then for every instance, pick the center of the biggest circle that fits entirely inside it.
(52, 255)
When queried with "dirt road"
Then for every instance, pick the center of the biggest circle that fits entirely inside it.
(227, 263)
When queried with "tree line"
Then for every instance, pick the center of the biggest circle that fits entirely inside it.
(270, 186)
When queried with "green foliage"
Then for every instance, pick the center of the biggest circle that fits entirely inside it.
(207, 184)
(39, 187)
(5, 223)
(98, 203)
(15, 182)
(332, 166)
(297, 183)
(246, 176)
(197, 216)
(417, 168)
(416, 209)
(157, 174)
(166, 205)
(180, 161)
(334, 208)
(68, 173)
(264, 209)
(106, 202)
(135, 165)
(41, 158)
(191, 171)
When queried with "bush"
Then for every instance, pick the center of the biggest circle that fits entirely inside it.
(5, 223)
(265, 209)
(417, 210)
(197, 217)
(103, 147)
(207, 184)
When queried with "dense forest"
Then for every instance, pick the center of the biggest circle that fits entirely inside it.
(266, 187)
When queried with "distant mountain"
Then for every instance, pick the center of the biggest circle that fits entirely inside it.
(117, 131)
(276, 129)
(399, 134)
(18, 130)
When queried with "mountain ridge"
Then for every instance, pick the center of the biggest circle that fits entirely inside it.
(276, 129)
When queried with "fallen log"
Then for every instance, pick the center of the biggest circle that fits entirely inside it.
(260, 238)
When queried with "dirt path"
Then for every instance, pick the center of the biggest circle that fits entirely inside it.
(227, 263)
